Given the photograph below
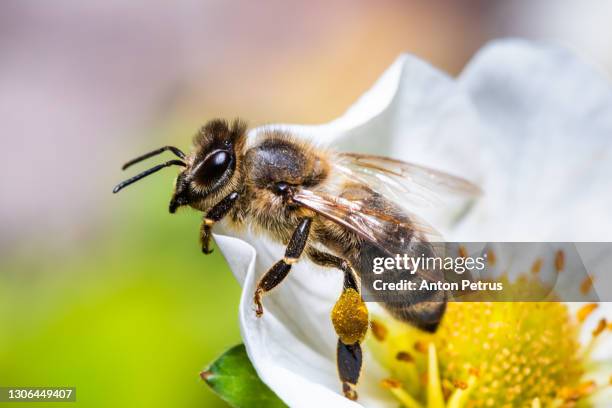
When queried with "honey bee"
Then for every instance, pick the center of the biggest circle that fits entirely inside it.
(335, 208)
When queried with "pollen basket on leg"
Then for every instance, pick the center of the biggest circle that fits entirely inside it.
(350, 317)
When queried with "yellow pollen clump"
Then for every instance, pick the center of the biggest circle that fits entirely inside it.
(350, 317)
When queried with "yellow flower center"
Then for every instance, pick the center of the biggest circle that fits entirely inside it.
(523, 350)
(488, 354)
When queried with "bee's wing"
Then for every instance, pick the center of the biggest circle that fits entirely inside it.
(404, 183)
(385, 231)
(369, 223)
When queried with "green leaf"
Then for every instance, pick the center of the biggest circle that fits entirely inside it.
(234, 379)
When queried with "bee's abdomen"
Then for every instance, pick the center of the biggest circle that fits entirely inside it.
(424, 314)
(421, 308)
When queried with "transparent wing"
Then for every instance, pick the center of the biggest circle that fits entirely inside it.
(392, 233)
(405, 183)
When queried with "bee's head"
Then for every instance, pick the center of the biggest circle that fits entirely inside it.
(210, 169)
(211, 166)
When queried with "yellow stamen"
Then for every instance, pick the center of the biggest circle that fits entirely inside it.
(601, 326)
(585, 311)
(586, 285)
(459, 398)
(535, 403)
(447, 388)
(559, 261)
(595, 335)
(396, 388)
(491, 259)
(584, 389)
(599, 388)
(537, 266)
(420, 347)
(435, 398)
(378, 330)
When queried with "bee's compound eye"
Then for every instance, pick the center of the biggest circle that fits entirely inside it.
(281, 188)
(213, 167)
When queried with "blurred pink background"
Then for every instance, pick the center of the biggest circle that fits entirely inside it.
(86, 85)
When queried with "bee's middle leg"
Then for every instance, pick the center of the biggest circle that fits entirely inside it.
(350, 320)
(280, 270)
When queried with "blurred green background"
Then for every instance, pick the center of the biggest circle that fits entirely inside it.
(130, 320)
(110, 293)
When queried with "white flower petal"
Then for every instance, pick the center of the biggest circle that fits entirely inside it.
(603, 349)
(290, 350)
(597, 259)
(548, 120)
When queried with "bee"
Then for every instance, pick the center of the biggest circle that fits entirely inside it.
(340, 210)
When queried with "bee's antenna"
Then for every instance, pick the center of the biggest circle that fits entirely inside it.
(145, 173)
(155, 152)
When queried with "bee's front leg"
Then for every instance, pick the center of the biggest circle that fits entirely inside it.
(350, 319)
(216, 213)
(280, 270)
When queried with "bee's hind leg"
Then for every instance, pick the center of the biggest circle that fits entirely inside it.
(350, 320)
(280, 270)
(349, 360)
